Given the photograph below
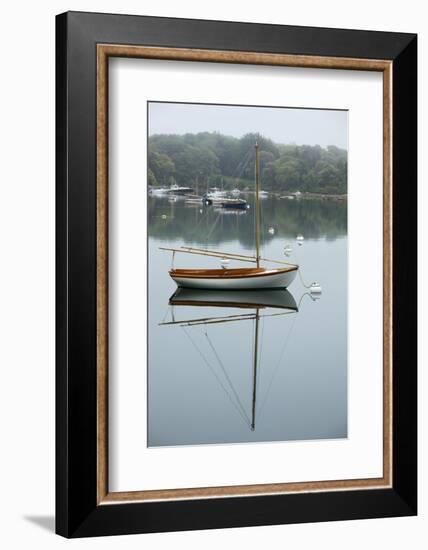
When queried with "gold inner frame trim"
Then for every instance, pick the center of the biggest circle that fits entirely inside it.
(104, 51)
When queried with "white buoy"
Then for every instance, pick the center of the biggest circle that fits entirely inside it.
(225, 263)
(163, 216)
(315, 288)
(200, 211)
(288, 250)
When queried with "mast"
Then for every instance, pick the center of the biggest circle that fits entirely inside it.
(256, 352)
(257, 208)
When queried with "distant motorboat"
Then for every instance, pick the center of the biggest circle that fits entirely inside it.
(235, 204)
(236, 192)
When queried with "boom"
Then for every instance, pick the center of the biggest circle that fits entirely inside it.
(219, 254)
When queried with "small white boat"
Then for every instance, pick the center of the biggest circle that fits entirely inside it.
(236, 192)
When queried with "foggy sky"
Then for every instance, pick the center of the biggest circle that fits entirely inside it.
(281, 125)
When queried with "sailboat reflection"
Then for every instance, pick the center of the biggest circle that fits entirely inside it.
(245, 299)
(262, 302)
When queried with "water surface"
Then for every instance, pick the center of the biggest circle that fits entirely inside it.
(204, 385)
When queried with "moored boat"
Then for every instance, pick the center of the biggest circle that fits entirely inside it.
(235, 204)
(257, 277)
(234, 278)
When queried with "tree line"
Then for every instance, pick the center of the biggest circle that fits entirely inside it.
(210, 159)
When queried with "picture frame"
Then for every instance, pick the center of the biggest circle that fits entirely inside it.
(84, 44)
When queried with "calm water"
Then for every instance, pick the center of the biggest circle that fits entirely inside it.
(204, 385)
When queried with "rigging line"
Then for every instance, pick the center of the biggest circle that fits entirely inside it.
(262, 219)
(299, 271)
(260, 348)
(290, 330)
(214, 374)
(198, 223)
(168, 309)
(213, 226)
(253, 332)
(262, 227)
(306, 294)
(243, 164)
(235, 393)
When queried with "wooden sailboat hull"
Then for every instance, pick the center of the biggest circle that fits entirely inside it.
(234, 279)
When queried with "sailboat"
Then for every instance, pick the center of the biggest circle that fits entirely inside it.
(257, 301)
(243, 278)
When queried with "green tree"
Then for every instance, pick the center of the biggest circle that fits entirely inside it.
(162, 167)
(210, 158)
(152, 181)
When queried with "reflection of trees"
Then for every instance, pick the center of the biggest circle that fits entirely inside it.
(311, 218)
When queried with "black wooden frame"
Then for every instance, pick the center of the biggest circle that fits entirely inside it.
(77, 513)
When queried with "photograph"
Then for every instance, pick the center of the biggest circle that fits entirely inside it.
(247, 261)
